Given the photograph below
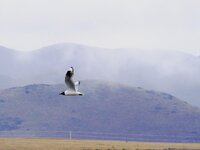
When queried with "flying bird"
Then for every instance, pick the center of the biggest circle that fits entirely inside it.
(72, 86)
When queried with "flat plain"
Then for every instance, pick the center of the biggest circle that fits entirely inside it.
(66, 144)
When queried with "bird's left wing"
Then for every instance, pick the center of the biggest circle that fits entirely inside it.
(68, 79)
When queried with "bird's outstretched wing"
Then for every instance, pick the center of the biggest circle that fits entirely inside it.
(70, 72)
(68, 79)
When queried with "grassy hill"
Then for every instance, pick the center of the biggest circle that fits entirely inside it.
(106, 111)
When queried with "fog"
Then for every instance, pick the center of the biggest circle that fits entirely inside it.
(146, 43)
(173, 72)
(149, 24)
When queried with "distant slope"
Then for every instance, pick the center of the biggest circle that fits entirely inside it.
(170, 71)
(106, 108)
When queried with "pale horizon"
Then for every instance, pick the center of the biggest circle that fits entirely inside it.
(155, 24)
(191, 52)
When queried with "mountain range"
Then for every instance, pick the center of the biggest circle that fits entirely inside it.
(163, 70)
(107, 109)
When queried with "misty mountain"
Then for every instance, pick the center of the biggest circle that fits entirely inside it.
(170, 71)
(38, 110)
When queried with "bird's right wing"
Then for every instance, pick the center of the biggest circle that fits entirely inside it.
(77, 83)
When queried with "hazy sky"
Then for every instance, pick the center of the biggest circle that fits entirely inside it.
(152, 24)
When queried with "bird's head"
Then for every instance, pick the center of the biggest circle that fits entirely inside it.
(63, 93)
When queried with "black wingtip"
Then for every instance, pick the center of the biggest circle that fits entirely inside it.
(72, 69)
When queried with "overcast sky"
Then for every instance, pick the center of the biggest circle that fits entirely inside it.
(152, 24)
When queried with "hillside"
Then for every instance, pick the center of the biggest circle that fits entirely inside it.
(131, 112)
(170, 71)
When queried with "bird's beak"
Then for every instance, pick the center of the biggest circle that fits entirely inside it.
(62, 93)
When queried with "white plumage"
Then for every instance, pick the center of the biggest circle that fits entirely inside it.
(72, 87)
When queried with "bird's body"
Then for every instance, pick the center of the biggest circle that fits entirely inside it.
(72, 86)
(71, 93)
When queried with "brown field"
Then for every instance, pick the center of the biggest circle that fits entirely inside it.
(63, 144)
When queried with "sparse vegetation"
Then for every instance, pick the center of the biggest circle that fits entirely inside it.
(9, 123)
(63, 144)
(2, 101)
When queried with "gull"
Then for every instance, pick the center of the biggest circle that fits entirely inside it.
(72, 86)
